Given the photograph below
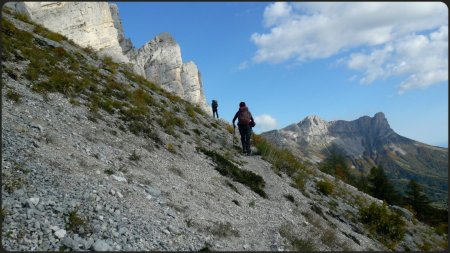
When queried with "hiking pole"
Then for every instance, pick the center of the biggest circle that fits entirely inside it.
(234, 133)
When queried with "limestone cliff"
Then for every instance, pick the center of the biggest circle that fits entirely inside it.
(192, 83)
(89, 24)
(125, 43)
(98, 25)
(160, 61)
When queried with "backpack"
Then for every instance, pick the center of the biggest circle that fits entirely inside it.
(215, 104)
(244, 117)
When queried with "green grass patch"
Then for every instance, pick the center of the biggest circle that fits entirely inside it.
(110, 65)
(190, 110)
(281, 159)
(169, 121)
(22, 17)
(226, 168)
(44, 32)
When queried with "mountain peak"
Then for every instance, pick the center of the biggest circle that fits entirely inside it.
(379, 115)
(313, 120)
(165, 37)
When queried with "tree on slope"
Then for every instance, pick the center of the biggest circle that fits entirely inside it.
(381, 187)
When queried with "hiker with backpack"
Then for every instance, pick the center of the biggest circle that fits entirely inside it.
(245, 125)
(214, 108)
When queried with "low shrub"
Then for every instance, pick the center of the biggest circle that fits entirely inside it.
(3, 213)
(387, 226)
(76, 223)
(299, 180)
(13, 95)
(171, 148)
(325, 187)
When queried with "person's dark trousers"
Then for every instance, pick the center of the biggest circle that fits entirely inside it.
(215, 113)
(246, 133)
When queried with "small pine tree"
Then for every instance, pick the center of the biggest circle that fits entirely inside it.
(417, 199)
(381, 187)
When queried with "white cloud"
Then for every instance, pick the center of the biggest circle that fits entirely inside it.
(276, 12)
(422, 59)
(265, 122)
(393, 38)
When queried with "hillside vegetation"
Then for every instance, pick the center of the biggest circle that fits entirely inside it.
(97, 158)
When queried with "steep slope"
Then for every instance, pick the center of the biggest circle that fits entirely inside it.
(97, 158)
(367, 142)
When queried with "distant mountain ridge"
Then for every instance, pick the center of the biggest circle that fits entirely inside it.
(367, 142)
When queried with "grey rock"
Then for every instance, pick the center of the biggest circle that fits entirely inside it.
(71, 243)
(60, 233)
(152, 191)
(123, 230)
(119, 178)
(403, 211)
(30, 213)
(88, 243)
(101, 245)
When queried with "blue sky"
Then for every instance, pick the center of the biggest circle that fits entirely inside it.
(334, 60)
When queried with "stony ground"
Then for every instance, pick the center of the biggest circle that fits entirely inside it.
(73, 183)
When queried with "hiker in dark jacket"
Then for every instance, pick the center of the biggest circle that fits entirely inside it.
(214, 108)
(245, 118)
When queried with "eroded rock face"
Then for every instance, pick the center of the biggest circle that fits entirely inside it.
(98, 25)
(124, 42)
(192, 85)
(89, 24)
(159, 60)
